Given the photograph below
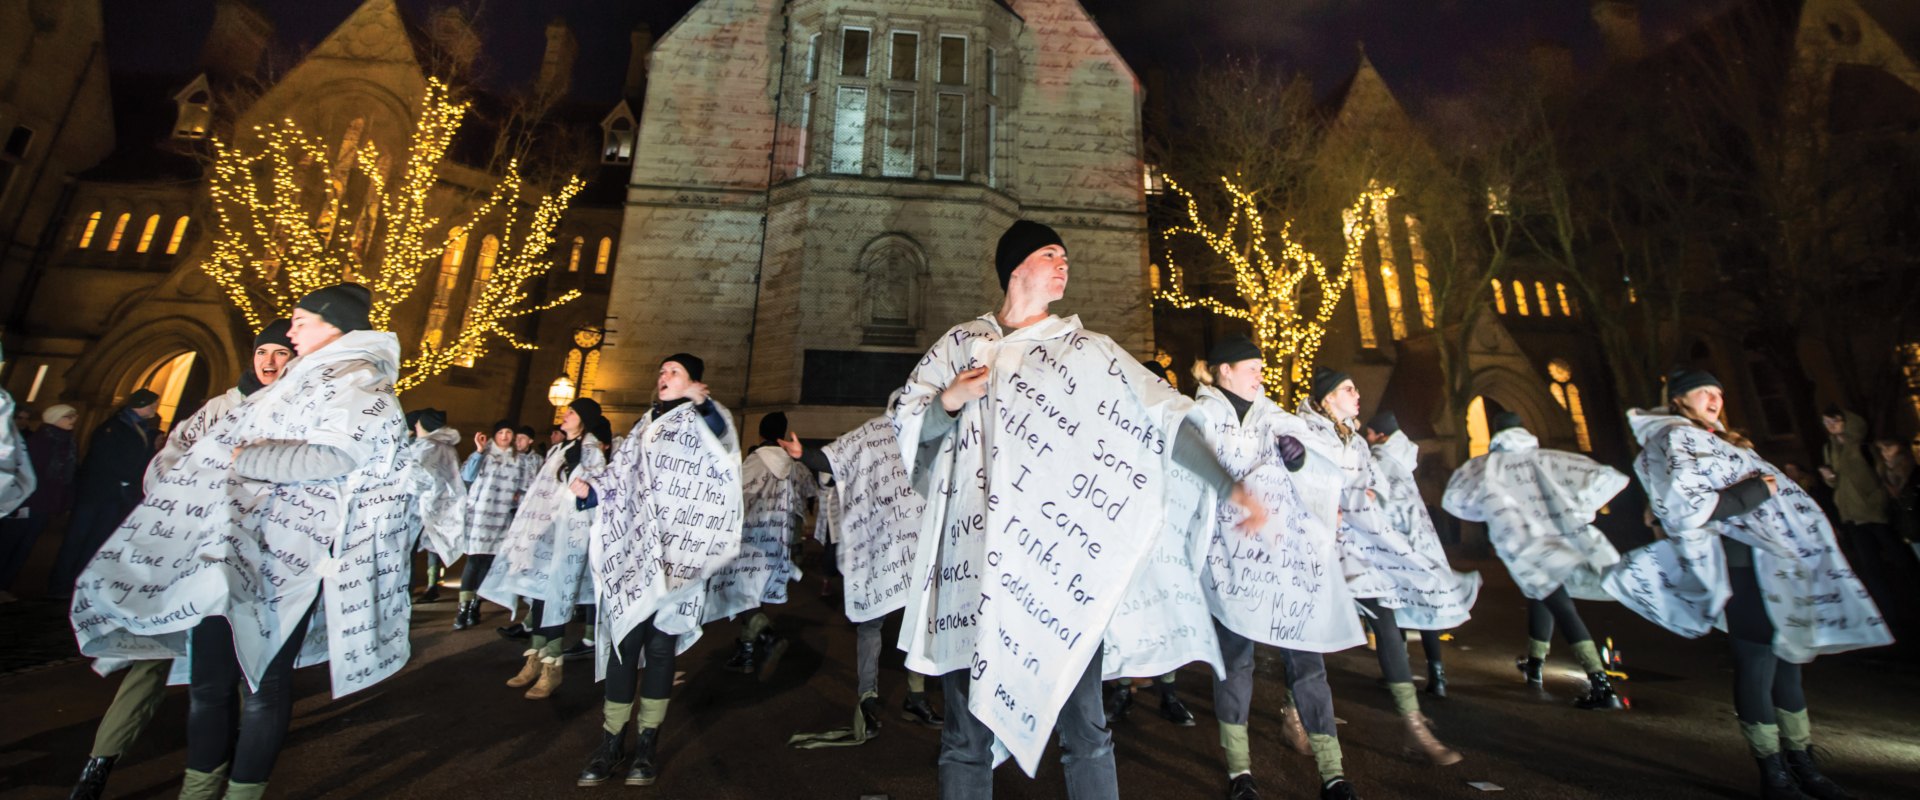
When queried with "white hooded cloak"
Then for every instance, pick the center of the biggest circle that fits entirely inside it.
(544, 556)
(1539, 507)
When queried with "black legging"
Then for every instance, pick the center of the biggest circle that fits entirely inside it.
(264, 715)
(1389, 644)
(535, 612)
(475, 572)
(1557, 608)
(624, 675)
(1762, 681)
(1430, 643)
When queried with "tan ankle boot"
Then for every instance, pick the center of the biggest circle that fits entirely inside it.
(1293, 731)
(528, 672)
(549, 679)
(1421, 739)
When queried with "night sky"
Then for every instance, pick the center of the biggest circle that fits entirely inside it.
(1424, 48)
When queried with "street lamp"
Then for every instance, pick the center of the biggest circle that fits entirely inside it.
(561, 392)
(576, 376)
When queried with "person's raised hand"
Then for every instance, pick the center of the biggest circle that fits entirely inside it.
(967, 387)
(1256, 513)
(580, 488)
(698, 393)
(791, 444)
(479, 441)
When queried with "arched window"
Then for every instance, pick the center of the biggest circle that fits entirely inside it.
(193, 110)
(603, 259)
(891, 272)
(573, 257)
(1499, 297)
(119, 231)
(86, 233)
(1568, 396)
(443, 287)
(1546, 306)
(1566, 303)
(1362, 303)
(1389, 280)
(1478, 438)
(179, 233)
(617, 136)
(146, 234)
(1520, 297)
(1422, 283)
(483, 266)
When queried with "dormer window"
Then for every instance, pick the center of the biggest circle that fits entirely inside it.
(619, 135)
(195, 111)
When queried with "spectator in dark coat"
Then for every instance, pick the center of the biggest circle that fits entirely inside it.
(1895, 466)
(55, 457)
(109, 486)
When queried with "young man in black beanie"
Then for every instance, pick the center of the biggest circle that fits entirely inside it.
(994, 615)
(776, 488)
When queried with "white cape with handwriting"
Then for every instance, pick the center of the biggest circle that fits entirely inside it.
(208, 542)
(874, 514)
(775, 488)
(432, 475)
(668, 518)
(544, 556)
(1378, 558)
(1403, 510)
(1817, 605)
(1024, 556)
(1283, 586)
(1539, 507)
(494, 495)
(16, 469)
(183, 434)
(1163, 621)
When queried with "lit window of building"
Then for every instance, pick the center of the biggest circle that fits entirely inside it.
(1568, 396)
(86, 233)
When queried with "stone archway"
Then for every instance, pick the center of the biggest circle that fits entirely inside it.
(1526, 394)
(129, 358)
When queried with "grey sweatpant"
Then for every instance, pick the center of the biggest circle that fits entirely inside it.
(1306, 678)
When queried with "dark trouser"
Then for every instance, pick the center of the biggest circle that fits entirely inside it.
(1306, 679)
(1389, 643)
(264, 714)
(94, 521)
(1542, 615)
(1086, 745)
(536, 610)
(626, 678)
(1762, 682)
(475, 571)
(16, 544)
(1430, 644)
(1883, 565)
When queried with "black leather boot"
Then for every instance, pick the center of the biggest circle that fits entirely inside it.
(1338, 789)
(1436, 679)
(93, 778)
(644, 772)
(1808, 778)
(1172, 709)
(1119, 700)
(463, 618)
(1242, 787)
(514, 631)
(1600, 695)
(743, 658)
(1776, 783)
(870, 708)
(916, 709)
(1530, 668)
(605, 760)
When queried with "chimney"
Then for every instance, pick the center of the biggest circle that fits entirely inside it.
(556, 67)
(1619, 22)
(236, 40)
(642, 39)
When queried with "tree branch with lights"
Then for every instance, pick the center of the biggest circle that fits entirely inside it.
(294, 212)
(1286, 293)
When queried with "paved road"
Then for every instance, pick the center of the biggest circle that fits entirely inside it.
(445, 727)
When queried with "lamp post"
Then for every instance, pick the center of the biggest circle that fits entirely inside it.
(576, 377)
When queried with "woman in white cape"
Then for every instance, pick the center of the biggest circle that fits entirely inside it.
(1539, 507)
(496, 475)
(432, 464)
(544, 557)
(1749, 552)
(1253, 602)
(1383, 570)
(288, 519)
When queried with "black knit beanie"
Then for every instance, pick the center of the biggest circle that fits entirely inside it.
(1325, 381)
(1158, 369)
(342, 305)
(275, 333)
(141, 398)
(588, 411)
(1021, 240)
(1682, 380)
(1384, 423)
(1232, 350)
(432, 419)
(500, 425)
(694, 366)
(525, 430)
(773, 426)
(1505, 420)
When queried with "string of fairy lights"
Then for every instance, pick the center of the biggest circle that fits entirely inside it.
(290, 217)
(1274, 292)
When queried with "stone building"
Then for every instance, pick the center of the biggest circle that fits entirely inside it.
(112, 296)
(822, 183)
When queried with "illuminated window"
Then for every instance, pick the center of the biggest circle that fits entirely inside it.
(1499, 296)
(573, 258)
(896, 156)
(86, 233)
(604, 258)
(1546, 306)
(119, 231)
(1566, 305)
(1520, 297)
(483, 265)
(1568, 396)
(1362, 304)
(179, 233)
(146, 234)
(849, 129)
(193, 110)
(1422, 284)
(1389, 281)
(449, 278)
(1477, 436)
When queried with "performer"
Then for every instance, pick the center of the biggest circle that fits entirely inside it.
(496, 476)
(431, 462)
(1747, 551)
(16, 467)
(1539, 507)
(145, 684)
(544, 555)
(668, 515)
(1394, 459)
(229, 533)
(1022, 556)
(1266, 589)
(776, 492)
